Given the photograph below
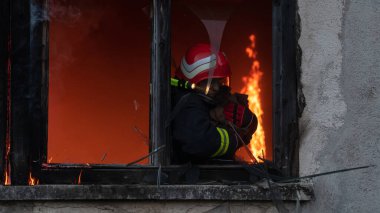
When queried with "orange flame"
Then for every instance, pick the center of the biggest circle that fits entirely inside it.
(32, 180)
(7, 180)
(7, 169)
(80, 177)
(252, 89)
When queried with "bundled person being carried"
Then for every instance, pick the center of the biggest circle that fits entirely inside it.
(204, 110)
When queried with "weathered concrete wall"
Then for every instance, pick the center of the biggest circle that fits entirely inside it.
(340, 41)
(133, 206)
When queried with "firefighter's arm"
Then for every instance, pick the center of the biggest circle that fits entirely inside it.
(228, 144)
(237, 112)
(199, 136)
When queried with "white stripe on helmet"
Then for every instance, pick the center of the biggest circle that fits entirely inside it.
(191, 70)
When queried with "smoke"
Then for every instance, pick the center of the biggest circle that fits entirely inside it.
(63, 11)
(60, 10)
(71, 23)
(41, 15)
(38, 14)
(214, 15)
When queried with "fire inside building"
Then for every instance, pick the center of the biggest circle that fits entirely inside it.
(97, 64)
(104, 100)
(101, 91)
(99, 108)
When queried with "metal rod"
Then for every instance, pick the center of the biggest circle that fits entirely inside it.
(324, 173)
(105, 166)
(244, 145)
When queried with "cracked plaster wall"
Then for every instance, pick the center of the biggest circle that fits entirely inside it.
(341, 82)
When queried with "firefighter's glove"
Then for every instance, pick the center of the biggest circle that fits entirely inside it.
(243, 119)
(246, 132)
(240, 98)
(238, 114)
(234, 113)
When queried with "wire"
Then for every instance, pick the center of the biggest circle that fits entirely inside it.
(243, 144)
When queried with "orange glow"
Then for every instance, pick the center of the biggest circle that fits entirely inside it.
(50, 159)
(80, 177)
(252, 89)
(32, 180)
(99, 53)
(7, 169)
(7, 180)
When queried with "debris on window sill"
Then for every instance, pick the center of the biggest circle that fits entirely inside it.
(259, 192)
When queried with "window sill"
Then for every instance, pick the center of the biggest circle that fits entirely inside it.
(259, 192)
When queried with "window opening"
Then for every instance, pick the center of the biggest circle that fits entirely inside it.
(31, 105)
(99, 56)
(243, 31)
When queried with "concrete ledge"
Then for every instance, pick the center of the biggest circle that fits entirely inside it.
(258, 192)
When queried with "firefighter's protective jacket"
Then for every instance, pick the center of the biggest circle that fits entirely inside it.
(195, 137)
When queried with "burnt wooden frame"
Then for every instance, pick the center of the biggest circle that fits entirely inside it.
(4, 56)
(29, 93)
(286, 86)
(160, 81)
(25, 89)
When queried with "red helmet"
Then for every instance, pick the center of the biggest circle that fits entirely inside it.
(199, 61)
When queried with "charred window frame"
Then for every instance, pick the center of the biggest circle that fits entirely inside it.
(4, 63)
(29, 89)
(288, 100)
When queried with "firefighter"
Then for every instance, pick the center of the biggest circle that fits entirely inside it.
(204, 109)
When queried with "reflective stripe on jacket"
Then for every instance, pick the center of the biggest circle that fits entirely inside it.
(195, 137)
